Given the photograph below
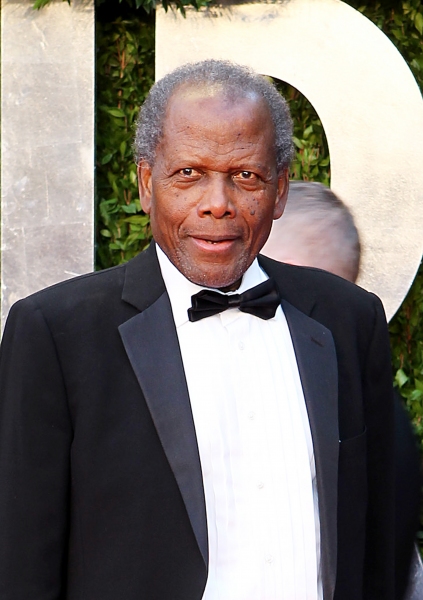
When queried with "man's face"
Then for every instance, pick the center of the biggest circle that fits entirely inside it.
(214, 189)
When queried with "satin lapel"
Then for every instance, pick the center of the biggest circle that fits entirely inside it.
(317, 364)
(151, 343)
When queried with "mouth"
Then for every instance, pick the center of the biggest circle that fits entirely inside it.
(214, 243)
(215, 239)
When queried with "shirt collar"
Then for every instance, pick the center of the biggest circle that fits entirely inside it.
(180, 289)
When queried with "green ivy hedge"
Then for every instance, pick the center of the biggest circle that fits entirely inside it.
(125, 72)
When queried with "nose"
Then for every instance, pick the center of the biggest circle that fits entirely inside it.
(217, 199)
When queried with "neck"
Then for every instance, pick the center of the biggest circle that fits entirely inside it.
(231, 288)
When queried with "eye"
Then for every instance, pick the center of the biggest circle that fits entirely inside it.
(187, 176)
(188, 172)
(246, 176)
(249, 181)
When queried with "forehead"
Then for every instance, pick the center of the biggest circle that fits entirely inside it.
(212, 105)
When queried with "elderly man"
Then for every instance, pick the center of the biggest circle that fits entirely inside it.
(164, 441)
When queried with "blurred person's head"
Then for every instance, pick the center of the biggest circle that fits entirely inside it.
(316, 230)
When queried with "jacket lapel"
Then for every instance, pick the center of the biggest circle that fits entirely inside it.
(317, 365)
(151, 343)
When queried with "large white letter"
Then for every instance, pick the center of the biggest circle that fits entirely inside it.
(365, 95)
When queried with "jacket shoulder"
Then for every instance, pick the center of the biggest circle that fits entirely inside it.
(306, 287)
(93, 287)
(99, 289)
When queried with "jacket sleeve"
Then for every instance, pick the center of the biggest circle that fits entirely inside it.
(379, 415)
(35, 439)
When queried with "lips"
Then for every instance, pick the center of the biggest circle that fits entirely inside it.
(214, 243)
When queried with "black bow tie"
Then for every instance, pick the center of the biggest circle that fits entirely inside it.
(261, 301)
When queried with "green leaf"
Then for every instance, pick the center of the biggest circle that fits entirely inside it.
(107, 158)
(39, 4)
(307, 131)
(142, 220)
(116, 112)
(415, 395)
(122, 148)
(401, 378)
(130, 208)
(418, 22)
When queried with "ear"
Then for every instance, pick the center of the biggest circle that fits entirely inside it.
(282, 194)
(145, 185)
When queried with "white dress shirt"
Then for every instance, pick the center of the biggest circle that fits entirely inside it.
(255, 449)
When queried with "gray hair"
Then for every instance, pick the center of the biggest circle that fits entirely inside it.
(317, 220)
(332, 216)
(236, 82)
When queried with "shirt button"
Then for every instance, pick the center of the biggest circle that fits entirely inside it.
(260, 485)
(241, 345)
(251, 415)
(269, 559)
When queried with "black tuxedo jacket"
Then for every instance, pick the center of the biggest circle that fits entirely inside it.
(101, 494)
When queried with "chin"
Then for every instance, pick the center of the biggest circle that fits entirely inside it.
(216, 281)
(216, 276)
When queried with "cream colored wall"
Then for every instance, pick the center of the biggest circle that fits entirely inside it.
(47, 135)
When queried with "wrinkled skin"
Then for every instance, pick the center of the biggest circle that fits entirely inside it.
(214, 189)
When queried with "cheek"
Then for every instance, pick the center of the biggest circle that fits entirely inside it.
(259, 217)
(253, 206)
(259, 211)
(168, 215)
